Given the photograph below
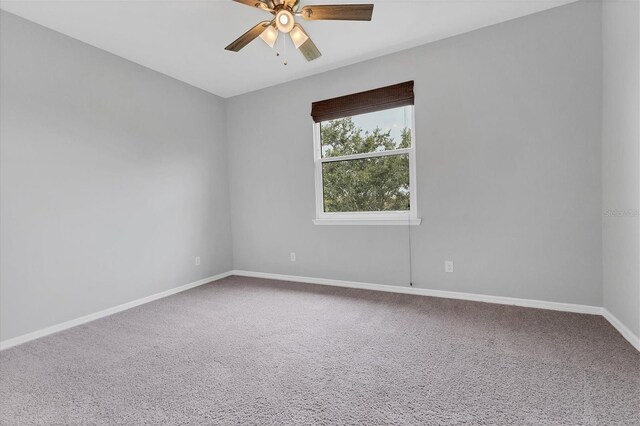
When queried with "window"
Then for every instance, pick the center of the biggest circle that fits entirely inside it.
(365, 162)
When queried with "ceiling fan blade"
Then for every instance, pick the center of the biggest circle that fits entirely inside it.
(309, 50)
(248, 37)
(293, 4)
(339, 12)
(260, 4)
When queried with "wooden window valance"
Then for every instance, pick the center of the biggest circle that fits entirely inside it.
(388, 97)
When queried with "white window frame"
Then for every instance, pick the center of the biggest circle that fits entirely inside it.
(366, 218)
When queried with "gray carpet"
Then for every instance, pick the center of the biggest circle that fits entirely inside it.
(259, 352)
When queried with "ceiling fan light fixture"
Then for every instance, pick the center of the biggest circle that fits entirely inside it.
(298, 36)
(284, 21)
(269, 36)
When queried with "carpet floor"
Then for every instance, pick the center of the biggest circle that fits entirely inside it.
(245, 351)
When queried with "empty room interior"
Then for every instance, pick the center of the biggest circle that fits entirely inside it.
(285, 212)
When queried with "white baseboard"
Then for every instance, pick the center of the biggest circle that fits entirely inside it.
(528, 303)
(5, 344)
(622, 329)
(555, 306)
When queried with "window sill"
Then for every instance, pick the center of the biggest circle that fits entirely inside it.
(374, 221)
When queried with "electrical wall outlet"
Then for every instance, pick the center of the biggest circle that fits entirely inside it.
(292, 256)
(197, 262)
(448, 266)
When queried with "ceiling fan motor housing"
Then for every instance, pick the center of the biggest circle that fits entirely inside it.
(284, 20)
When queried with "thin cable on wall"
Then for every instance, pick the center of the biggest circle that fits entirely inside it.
(408, 119)
(410, 252)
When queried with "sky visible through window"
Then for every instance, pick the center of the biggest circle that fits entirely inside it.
(395, 119)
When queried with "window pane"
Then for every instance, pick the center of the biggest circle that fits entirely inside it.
(366, 185)
(374, 132)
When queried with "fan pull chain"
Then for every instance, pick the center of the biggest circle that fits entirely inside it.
(284, 49)
(284, 41)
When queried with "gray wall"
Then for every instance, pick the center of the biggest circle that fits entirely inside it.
(114, 178)
(508, 155)
(621, 161)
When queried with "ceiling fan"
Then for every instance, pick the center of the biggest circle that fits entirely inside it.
(285, 11)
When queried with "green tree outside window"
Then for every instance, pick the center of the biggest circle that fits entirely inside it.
(368, 184)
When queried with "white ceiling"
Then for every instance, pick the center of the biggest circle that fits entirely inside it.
(185, 39)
